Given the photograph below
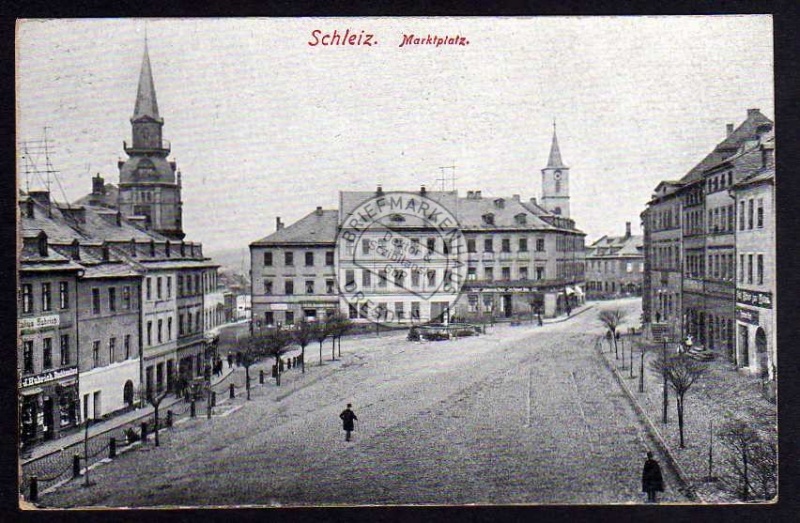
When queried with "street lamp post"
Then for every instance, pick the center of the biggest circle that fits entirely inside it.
(641, 369)
(664, 375)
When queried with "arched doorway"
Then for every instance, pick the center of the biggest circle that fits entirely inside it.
(127, 393)
(761, 352)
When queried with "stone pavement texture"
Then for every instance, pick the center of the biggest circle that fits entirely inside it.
(525, 414)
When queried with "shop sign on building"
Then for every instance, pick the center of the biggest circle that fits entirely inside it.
(39, 323)
(754, 298)
(51, 375)
(747, 316)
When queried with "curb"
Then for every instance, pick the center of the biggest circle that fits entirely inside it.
(686, 487)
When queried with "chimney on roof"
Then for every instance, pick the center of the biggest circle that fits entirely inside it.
(729, 129)
(379, 190)
(470, 195)
(318, 212)
(515, 197)
(98, 185)
(75, 249)
(278, 223)
(533, 201)
(43, 198)
(477, 195)
(627, 229)
(422, 190)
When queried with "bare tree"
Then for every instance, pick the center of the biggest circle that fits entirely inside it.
(251, 348)
(155, 398)
(303, 334)
(338, 326)
(753, 460)
(681, 372)
(611, 320)
(321, 331)
(275, 344)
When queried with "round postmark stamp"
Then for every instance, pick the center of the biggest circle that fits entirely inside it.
(401, 258)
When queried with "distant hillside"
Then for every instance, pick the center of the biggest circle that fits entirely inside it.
(230, 260)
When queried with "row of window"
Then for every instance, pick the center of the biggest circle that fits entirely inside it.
(27, 298)
(505, 273)
(747, 267)
(163, 286)
(666, 257)
(615, 266)
(693, 223)
(288, 286)
(127, 299)
(127, 351)
(721, 219)
(664, 219)
(288, 258)
(719, 181)
(721, 266)
(187, 324)
(396, 310)
(28, 349)
(755, 214)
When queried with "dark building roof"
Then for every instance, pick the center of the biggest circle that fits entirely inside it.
(617, 247)
(319, 226)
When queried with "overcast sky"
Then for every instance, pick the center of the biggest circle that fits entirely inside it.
(264, 125)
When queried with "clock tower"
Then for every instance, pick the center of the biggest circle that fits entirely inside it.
(555, 182)
(148, 185)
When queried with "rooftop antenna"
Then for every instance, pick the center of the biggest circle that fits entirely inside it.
(443, 179)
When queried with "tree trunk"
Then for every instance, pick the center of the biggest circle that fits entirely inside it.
(614, 339)
(679, 400)
(247, 380)
(333, 349)
(156, 422)
(277, 372)
(303, 359)
(340, 346)
(320, 353)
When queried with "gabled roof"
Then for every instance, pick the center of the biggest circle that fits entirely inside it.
(472, 210)
(314, 228)
(616, 247)
(746, 131)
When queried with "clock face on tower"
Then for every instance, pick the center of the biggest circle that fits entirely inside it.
(557, 175)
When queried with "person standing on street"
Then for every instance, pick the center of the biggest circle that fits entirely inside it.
(652, 481)
(348, 417)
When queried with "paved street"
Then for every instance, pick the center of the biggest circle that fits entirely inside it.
(523, 415)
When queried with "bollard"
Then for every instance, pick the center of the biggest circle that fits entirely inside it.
(76, 466)
(192, 409)
(144, 432)
(34, 493)
(169, 418)
(232, 392)
(261, 377)
(213, 399)
(112, 448)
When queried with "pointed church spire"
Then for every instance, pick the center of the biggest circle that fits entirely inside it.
(146, 104)
(554, 161)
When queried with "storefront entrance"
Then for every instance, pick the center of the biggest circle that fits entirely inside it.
(47, 410)
(744, 347)
(508, 309)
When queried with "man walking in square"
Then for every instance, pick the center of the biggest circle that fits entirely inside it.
(348, 417)
(652, 481)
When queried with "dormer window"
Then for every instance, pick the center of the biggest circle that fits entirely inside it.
(521, 219)
(488, 218)
(41, 241)
(500, 203)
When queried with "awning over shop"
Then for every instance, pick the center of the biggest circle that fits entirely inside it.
(30, 392)
(578, 290)
(569, 291)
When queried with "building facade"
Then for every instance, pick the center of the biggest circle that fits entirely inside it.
(615, 266)
(515, 256)
(692, 258)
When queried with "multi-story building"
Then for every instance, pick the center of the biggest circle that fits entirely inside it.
(615, 265)
(518, 255)
(756, 285)
(47, 354)
(293, 271)
(690, 243)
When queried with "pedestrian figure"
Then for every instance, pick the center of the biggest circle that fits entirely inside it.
(348, 417)
(658, 317)
(652, 481)
(238, 358)
(230, 360)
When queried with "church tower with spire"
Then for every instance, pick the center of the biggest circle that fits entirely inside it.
(555, 181)
(148, 184)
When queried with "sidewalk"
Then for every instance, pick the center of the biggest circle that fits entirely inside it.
(115, 422)
(718, 396)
